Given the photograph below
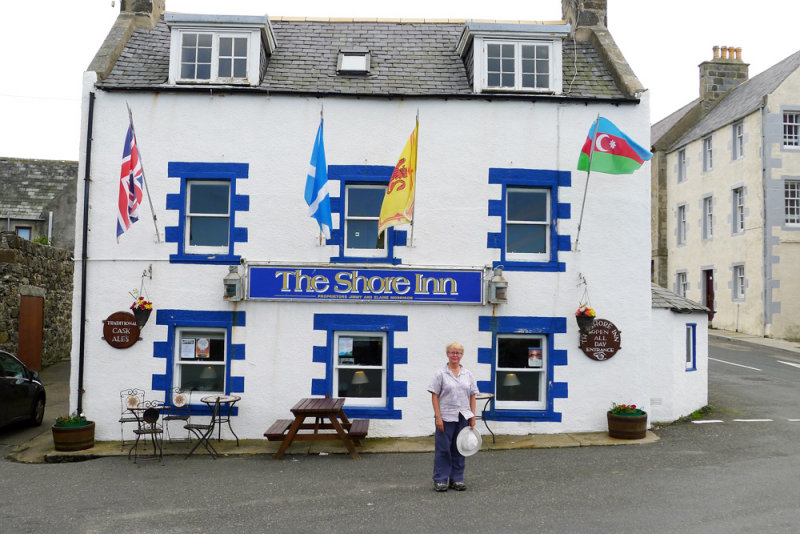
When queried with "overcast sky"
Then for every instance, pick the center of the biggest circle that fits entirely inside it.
(47, 44)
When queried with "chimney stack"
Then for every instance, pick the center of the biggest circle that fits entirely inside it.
(718, 76)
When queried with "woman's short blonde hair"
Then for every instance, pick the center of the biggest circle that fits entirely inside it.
(455, 345)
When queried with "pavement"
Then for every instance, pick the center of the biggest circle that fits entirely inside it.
(56, 379)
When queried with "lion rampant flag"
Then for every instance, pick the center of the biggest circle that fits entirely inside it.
(398, 202)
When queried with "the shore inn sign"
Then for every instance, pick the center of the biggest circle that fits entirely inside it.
(249, 299)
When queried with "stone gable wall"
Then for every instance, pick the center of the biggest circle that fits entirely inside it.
(28, 268)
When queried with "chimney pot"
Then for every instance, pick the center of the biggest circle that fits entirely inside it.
(739, 53)
(716, 52)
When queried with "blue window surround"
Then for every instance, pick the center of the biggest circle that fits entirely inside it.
(361, 174)
(166, 349)
(692, 327)
(388, 324)
(497, 208)
(524, 325)
(206, 171)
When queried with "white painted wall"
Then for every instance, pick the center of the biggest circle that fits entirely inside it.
(675, 391)
(459, 141)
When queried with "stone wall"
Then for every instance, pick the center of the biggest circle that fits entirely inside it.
(28, 268)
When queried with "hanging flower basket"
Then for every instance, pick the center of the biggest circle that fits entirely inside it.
(585, 318)
(141, 309)
(142, 316)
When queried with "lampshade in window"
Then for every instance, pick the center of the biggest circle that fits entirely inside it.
(360, 377)
(511, 380)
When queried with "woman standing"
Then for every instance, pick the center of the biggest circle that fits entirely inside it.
(453, 389)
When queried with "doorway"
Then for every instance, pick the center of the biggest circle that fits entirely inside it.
(708, 292)
(29, 348)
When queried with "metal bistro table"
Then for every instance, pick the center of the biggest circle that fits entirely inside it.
(215, 404)
(147, 414)
(488, 397)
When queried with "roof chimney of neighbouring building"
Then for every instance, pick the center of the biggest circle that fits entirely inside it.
(585, 13)
(725, 71)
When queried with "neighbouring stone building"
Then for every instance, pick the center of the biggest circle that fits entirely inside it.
(37, 198)
(35, 300)
(726, 196)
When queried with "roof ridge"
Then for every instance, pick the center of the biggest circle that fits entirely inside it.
(406, 20)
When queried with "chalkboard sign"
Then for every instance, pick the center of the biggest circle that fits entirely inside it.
(602, 342)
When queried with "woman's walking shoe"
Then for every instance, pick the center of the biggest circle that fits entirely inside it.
(440, 486)
(458, 486)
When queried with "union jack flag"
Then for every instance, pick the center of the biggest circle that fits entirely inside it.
(130, 185)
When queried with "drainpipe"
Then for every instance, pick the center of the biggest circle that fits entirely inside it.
(766, 292)
(49, 227)
(84, 256)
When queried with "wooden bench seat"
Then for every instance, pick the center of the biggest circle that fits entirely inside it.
(358, 429)
(278, 429)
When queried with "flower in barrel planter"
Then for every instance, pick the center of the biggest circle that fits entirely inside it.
(626, 421)
(141, 307)
(585, 317)
(73, 432)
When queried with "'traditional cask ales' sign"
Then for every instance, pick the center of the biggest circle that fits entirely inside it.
(120, 330)
(602, 341)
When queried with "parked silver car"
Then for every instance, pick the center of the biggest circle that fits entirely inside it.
(22, 395)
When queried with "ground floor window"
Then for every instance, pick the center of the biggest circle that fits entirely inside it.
(520, 373)
(691, 347)
(360, 368)
(360, 357)
(200, 361)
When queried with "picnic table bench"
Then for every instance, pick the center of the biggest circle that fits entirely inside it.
(288, 430)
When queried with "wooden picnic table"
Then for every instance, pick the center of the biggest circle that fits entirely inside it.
(320, 409)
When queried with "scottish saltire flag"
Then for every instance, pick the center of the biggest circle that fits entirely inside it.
(317, 197)
(398, 202)
(130, 185)
(609, 150)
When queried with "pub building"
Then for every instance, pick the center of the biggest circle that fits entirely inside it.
(249, 299)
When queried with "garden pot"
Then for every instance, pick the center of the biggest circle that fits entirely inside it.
(584, 323)
(141, 317)
(74, 438)
(627, 426)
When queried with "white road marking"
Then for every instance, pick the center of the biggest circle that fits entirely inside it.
(708, 421)
(794, 420)
(752, 420)
(736, 364)
(790, 363)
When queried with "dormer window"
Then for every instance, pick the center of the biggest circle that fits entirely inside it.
(213, 49)
(353, 61)
(511, 57)
(518, 65)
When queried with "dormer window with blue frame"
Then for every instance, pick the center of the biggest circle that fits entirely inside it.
(217, 49)
(361, 192)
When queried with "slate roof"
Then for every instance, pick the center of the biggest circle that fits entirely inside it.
(742, 100)
(407, 58)
(664, 298)
(28, 186)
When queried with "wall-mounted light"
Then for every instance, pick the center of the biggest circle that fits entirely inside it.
(232, 284)
(498, 287)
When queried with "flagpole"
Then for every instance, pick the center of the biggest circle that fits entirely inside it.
(416, 148)
(321, 116)
(141, 163)
(586, 186)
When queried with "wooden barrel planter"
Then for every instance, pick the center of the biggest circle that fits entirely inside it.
(627, 426)
(73, 438)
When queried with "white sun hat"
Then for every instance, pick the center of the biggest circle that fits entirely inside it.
(468, 441)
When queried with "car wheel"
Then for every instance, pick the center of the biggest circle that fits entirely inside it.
(38, 412)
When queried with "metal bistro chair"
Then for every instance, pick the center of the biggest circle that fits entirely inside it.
(128, 398)
(148, 426)
(179, 410)
(203, 433)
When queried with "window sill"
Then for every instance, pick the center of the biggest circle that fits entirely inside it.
(216, 259)
(522, 415)
(365, 412)
(355, 259)
(544, 266)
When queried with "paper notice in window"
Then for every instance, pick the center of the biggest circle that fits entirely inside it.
(345, 346)
(187, 349)
(203, 346)
(534, 357)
